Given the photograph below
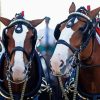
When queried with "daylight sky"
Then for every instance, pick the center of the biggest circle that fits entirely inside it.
(57, 10)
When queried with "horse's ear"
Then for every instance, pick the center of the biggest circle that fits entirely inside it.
(94, 13)
(5, 21)
(36, 22)
(72, 8)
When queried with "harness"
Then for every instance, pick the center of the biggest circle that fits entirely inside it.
(42, 84)
(89, 28)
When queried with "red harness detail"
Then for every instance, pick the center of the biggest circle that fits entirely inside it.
(98, 30)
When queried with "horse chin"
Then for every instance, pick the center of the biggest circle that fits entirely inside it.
(55, 64)
(18, 80)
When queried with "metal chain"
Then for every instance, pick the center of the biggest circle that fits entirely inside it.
(11, 93)
(76, 80)
(45, 87)
(50, 95)
(62, 88)
(23, 90)
(10, 90)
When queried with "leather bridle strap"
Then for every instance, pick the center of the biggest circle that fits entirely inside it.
(66, 44)
(18, 48)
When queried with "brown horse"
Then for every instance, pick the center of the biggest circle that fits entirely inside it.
(80, 37)
(21, 73)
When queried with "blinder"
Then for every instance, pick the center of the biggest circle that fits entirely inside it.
(85, 30)
(70, 22)
(82, 10)
(57, 31)
(80, 13)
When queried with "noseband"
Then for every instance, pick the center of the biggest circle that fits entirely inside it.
(27, 65)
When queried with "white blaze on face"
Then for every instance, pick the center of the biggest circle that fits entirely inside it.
(61, 51)
(19, 66)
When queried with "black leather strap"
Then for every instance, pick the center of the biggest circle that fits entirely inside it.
(66, 44)
(45, 68)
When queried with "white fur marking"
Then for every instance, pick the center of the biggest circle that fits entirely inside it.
(61, 51)
(19, 66)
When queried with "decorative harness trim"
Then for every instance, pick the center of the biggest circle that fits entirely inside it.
(80, 14)
(19, 21)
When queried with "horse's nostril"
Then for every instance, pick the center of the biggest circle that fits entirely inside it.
(52, 71)
(24, 71)
(11, 69)
(62, 63)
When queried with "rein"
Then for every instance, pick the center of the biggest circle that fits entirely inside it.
(66, 44)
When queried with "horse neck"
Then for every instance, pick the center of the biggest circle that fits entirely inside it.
(88, 77)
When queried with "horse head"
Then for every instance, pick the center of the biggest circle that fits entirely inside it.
(19, 38)
(73, 35)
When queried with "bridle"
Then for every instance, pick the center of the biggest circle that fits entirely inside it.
(76, 15)
(88, 28)
(18, 48)
(41, 85)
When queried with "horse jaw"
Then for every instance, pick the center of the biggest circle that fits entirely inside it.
(61, 52)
